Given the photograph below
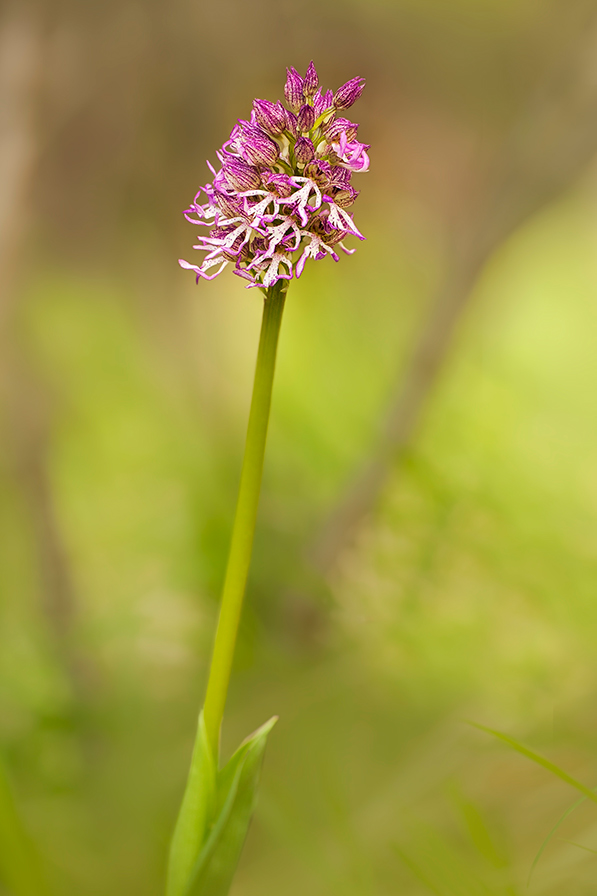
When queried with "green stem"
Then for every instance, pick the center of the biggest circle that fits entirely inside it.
(241, 545)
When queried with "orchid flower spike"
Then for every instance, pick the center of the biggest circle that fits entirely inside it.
(281, 193)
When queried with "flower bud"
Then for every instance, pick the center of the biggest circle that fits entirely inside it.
(304, 150)
(322, 102)
(291, 122)
(257, 148)
(230, 205)
(293, 89)
(270, 117)
(311, 82)
(306, 118)
(349, 93)
(240, 176)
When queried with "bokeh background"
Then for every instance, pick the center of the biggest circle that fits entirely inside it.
(427, 541)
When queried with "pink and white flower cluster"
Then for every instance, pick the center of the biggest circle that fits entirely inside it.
(282, 192)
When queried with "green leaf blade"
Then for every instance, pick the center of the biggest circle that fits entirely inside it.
(237, 786)
(195, 815)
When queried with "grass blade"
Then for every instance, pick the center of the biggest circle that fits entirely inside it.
(580, 846)
(588, 794)
(540, 760)
(561, 819)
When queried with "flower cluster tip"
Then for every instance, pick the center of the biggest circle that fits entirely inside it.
(284, 186)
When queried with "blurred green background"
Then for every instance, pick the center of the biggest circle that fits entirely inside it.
(427, 541)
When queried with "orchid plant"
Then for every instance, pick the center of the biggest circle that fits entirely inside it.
(279, 198)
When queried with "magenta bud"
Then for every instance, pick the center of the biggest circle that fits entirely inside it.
(293, 89)
(349, 93)
(231, 206)
(304, 151)
(291, 123)
(322, 102)
(305, 118)
(240, 176)
(257, 148)
(270, 117)
(311, 82)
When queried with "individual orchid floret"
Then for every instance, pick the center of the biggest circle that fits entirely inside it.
(349, 93)
(282, 192)
(293, 90)
(338, 126)
(323, 102)
(291, 123)
(281, 184)
(315, 248)
(305, 119)
(304, 151)
(319, 171)
(271, 117)
(311, 82)
(345, 198)
(240, 176)
(256, 147)
(269, 268)
(352, 153)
